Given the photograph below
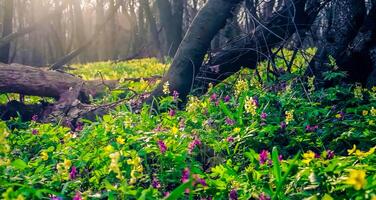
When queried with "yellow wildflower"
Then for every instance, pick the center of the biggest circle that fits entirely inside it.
(351, 151)
(166, 88)
(4, 161)
(357, 179)
(289, 116)
(308, 157)
(236, 130)
(240, 87)
(174, 130)
(44, 155)
(311, 84)
(20, 197)
(210, 86)
(250, 106)
(120, 140)
(365, 154)
(193, 104)
(338, 116)
(108, 149)
(358, 92)
(114, 166)
(373, 112)
(365, 112)
(137, 168)
(359, 153)
(67, 163)
(128, 122)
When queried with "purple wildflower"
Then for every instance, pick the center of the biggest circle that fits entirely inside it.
(34, 118)
(35, 132)
(166, 194)
(264, 197)
(79, 127)
(77, 196)
(56, 198)
(158, 128)
(162, 146)
(310, 128)
(283, 125)
(330, 154)
(175, 94)
(155, 183)
(202, 182)
(172, 112)
(199, 180)
(317, 155)
(227, 98)
(340, 115)
(280, 158)
(230, 139)
(233, 194)
(182, 124)
(255, 101)
(213, 97)
(229, 121)
(263, 156)
(185, 175)
(264, 115)
(193, 144)
(73, 173)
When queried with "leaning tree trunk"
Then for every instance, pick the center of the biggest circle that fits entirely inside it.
(188, 59)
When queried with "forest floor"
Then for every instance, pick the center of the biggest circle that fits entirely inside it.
(250, 137)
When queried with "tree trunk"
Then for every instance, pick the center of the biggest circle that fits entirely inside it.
(7, 29)
(79, 27)
(153, 29)
(171, 17)
(348, 16)
(247, 51)
(188, 59)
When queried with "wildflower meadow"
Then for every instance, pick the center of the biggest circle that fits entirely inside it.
(246, 138)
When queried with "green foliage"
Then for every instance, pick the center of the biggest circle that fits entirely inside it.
(284, 141)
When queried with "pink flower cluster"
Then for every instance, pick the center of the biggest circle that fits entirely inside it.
(193, 144)
(162, 146)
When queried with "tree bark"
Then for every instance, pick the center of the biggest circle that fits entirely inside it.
(153, 29)
(7, 29)
(247, 51)
(348, 16)
(171, 18)
(188, 59)
(26, 80)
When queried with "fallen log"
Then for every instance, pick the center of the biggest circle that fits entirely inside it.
(27, 80)
(71, 92)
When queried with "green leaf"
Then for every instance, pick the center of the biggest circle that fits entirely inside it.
(19, 164)
(327, 197)
(239, 113)
(179, 191)
(276, 165)
(226, 110)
